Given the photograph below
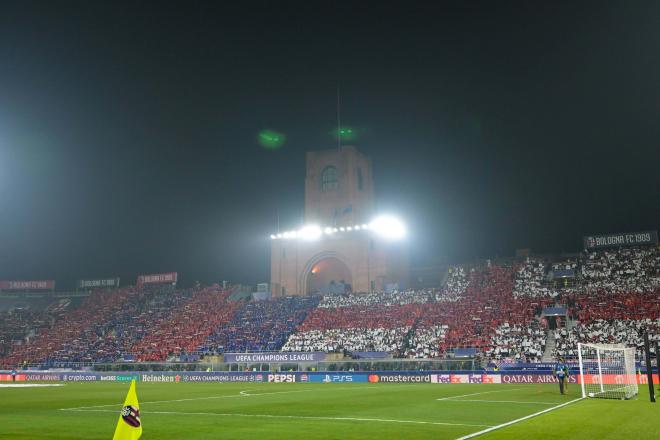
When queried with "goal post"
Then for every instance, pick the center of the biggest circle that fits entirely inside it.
(607, 371)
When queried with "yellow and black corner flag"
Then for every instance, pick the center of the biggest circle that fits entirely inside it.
(129, 425)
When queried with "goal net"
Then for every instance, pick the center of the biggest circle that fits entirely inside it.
(607, 371)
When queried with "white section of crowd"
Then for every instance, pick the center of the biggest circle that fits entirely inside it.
(349, 339)
(628, 332)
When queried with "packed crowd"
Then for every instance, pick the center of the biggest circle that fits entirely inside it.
(377, 298)
(530, 280)
(348, 340)
(176, 331)
(518, 343)
(18, 324)
(105, 328)
(426, 341)
(622, 270)
(81, 335)
(457, 281)
(628, 332)
(492, 307)
(260, 325)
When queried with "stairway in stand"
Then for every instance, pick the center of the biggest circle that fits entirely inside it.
(549, 346)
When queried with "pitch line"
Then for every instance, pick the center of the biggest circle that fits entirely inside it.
(478, 394)
(503, 425)
(244, 393)
(276, 416)
(226, 396)
(502, 401)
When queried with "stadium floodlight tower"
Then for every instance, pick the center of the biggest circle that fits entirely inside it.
(607, 371)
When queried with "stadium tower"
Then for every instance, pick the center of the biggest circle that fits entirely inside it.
(346, 256)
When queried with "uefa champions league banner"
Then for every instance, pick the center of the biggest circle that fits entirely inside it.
(618, 240)
(274, 357)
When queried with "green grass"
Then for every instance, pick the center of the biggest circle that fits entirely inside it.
(322, 411)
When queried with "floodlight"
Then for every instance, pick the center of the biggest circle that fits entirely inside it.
(310, 232)
(388, 227)
(328, 230)
(272, 237)
(349, 228)
(342, 229)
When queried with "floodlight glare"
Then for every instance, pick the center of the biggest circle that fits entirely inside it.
(328, 230)
(272, 237)
(310, 232)
(388, 227)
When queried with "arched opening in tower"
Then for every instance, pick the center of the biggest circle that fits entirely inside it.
(329, 276)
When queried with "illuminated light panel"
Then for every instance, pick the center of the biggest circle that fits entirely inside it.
(388, 227)
(310, 232)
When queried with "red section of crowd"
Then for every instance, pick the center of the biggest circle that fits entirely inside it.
(487, 303)
(620, 305)
(187, 327)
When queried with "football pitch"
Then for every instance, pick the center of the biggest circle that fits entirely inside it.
(324, 411)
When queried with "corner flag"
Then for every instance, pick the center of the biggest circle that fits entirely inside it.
(129, 426)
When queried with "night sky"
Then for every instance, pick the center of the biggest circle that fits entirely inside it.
(128, 131)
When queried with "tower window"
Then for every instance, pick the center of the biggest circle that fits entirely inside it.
(329, 178)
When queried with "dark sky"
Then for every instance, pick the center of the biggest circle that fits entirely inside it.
(128, 130)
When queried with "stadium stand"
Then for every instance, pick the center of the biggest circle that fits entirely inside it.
(495, 307)
(260, 325)
(177, 331)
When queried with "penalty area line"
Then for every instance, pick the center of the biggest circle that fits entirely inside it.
(501, 401)
(478, 394)
(277, 416)
(503, 425)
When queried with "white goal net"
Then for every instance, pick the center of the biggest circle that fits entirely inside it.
(607, 371)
